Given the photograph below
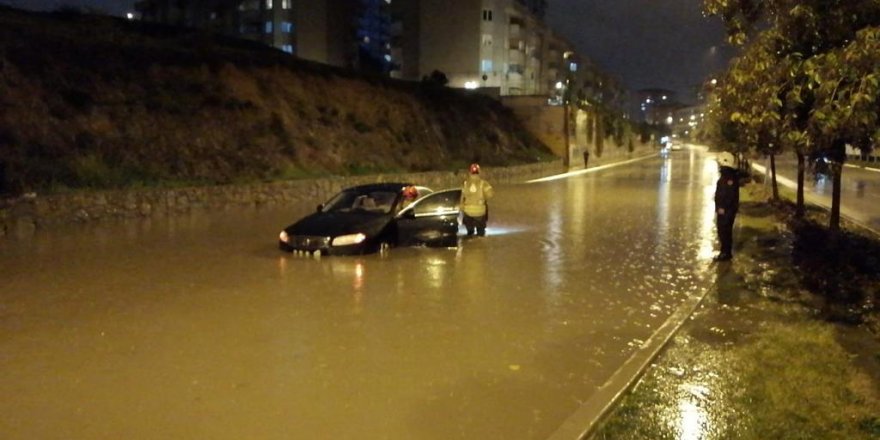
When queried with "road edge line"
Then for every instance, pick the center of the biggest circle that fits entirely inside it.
(586, 418)
(590, 170)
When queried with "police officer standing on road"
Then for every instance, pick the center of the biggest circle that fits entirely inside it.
(475, 192)
(726, 204)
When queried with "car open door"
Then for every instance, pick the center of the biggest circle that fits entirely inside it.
(431, 220)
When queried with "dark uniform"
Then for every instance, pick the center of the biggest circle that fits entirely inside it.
(726, 205)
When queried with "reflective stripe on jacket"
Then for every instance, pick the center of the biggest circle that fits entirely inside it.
(474, 194)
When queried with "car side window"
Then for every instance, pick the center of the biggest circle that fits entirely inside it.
(445, 202)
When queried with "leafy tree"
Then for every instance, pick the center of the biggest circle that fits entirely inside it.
(809, 78)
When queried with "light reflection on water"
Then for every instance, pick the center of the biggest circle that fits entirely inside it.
(693, 421)
(707, 225)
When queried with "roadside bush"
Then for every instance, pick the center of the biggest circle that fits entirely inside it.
(841, 267)
(91, 171)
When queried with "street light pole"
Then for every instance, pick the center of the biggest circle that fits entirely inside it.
(566, 160)
(566, 99)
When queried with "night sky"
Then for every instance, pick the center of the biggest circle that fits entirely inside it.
(114, 7)
(645, 43)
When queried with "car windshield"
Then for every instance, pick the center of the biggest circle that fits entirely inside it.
(377, 202)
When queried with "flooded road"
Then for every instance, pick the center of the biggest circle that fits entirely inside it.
(200, 328)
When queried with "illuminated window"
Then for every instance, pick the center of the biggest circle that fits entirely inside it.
(486, 66)
(287, 48)
(573, 67)
(268, 27)
(249, 5)
(268, 4)
(487, 15)
(487, 39)
(285, 4)
(286, 27)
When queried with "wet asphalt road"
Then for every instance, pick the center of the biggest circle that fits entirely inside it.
(200, 328)
(859, 195)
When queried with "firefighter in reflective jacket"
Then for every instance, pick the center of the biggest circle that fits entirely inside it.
(475, 192)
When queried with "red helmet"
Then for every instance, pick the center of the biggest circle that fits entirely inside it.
(410, 192)
(474, 168)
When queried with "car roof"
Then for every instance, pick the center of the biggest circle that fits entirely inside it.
(392, 186)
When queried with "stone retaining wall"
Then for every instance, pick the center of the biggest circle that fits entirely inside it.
(22, 216)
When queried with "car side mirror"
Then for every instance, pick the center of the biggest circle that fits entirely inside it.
(320, 207)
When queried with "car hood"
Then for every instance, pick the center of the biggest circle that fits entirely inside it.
(333, 224)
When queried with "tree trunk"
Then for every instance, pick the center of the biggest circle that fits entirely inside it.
(836, 171)
(801, 171)
(773, 177)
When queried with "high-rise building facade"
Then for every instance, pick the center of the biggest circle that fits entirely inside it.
(475, 43)
(348, 33)
(500, 45)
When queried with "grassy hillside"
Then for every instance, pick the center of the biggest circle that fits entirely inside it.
(98, 102)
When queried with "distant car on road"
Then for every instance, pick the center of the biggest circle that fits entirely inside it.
(374, 218)
(675, 144)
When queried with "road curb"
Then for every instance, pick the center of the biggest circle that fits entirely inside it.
(586, 419)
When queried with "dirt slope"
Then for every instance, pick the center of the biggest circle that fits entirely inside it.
(88, 101)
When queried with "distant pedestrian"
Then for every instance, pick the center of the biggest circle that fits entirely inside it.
(475, 193)
(726, 204)
(586, 156)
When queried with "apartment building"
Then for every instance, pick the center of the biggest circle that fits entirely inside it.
(476, 43)
(347, 33)
(501, 45)
(657, 106)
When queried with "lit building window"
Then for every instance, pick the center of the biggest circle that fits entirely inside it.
(573, 67)
(487, 39)
(268, 4)
(249, 5)
(268, 27)
(286, 27)
(285, 4)
(287, 48)
(487, 15)
(485, 65)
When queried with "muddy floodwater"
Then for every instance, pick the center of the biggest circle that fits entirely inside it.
(199, 328)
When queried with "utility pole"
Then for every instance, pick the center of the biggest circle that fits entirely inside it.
(566, 160)
(566, 100)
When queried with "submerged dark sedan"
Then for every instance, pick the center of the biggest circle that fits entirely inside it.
(375, 218)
